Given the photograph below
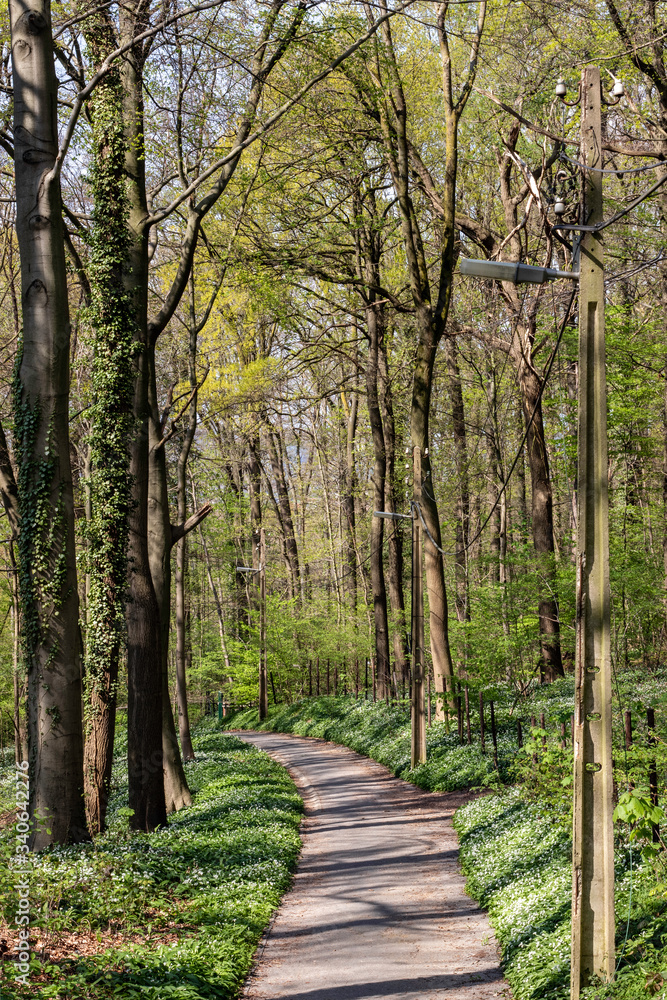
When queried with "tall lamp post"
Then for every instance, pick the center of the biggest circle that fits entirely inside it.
(593, 921)
(418, 707)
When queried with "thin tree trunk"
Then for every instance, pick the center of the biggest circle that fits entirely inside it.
(284, 508)
(373, 324)
(348, 500)
(47, 557)
(542, 518)
(19, 735)
(394, 532)
(181, 554)
(462, 532)
(177, 793)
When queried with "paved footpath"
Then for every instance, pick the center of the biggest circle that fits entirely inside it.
(378, 907)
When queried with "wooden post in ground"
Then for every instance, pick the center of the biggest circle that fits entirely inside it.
(481, 721)
(459, 710)
(494, 736)
(418, 741)
(628, 730)
(593, 922)
(652, 773)
(428, 701)
(468, 729)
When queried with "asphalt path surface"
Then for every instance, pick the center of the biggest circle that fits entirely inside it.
(378, 906)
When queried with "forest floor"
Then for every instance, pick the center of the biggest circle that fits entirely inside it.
(515, 841)
(378, 906)
(171, 915)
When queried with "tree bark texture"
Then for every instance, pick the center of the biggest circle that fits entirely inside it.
(377, 523)
(181, 553)
(394, 531)
(177, 793)
(462, 530)
(47, 561)
(144, 646)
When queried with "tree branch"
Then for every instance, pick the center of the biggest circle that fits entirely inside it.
(180, 530)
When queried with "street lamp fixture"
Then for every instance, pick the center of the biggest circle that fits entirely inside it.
(513, 271)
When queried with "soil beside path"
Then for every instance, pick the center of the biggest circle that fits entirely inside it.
(378, 907)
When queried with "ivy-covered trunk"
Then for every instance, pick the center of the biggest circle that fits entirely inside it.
(111, 426)
(47, 563)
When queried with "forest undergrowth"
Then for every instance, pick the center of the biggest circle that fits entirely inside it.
(515, 841)
(171, 915)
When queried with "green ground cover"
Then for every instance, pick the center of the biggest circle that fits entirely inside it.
(173, 915)
(516, 842)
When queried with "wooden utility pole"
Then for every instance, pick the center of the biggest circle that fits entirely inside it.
(418, 744)
(263, 676)
(593, 844)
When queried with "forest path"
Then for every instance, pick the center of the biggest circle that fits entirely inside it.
(378, 906)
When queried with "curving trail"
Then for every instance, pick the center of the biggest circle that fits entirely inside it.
(377, 910)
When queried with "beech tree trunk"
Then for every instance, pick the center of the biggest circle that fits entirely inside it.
(177, 793)
(383, 679)
(394, 532)
(543, 529)
(284, 508)
(47, 559)
(181, 553)
(462, 531)
(144, 638)
(349, 488)
(431, 305)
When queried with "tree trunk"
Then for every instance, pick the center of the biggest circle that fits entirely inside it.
(177, 793)
(107, 455)
(373, 323)
(435, 572)
(47, 557)
(284, 508)
(144, 643)
(394, 532)
(542, 518)
(181, 554)
(19, 692)
(348, 501)
(462, 532)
